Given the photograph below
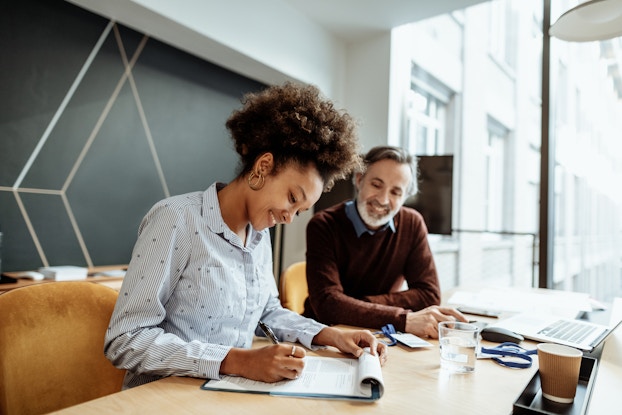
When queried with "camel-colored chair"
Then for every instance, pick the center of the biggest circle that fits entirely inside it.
(293, 289)
(52, 346)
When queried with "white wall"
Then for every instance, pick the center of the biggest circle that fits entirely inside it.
(268, 41)
(367, 84)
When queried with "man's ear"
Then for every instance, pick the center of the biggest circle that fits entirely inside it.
(357, 180)
(264, 164)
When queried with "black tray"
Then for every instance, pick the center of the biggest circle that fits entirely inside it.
(531, 401)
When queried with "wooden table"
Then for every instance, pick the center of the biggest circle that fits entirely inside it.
(414, 383)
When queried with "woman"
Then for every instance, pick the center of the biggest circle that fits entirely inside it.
(200, 276)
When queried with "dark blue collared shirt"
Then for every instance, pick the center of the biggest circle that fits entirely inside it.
(359, 225)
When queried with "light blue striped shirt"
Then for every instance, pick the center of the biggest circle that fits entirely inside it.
(193, 291)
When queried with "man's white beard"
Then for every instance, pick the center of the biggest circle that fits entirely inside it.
(372, 221)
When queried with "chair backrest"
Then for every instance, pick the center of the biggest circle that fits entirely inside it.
(293, 287)
(52, 346)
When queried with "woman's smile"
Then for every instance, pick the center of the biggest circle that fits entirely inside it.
(272, 219)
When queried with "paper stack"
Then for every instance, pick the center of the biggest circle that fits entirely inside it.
(64, 273)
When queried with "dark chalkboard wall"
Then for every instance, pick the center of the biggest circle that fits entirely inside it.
(88, 145)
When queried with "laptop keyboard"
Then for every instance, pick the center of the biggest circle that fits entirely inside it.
(568, 331)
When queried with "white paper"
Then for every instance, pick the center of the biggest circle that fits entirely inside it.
(64, 273)
(322, 376)
(560, 303)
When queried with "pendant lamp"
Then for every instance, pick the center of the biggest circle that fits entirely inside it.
(589, 21)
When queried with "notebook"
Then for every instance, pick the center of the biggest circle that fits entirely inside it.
(581, 334)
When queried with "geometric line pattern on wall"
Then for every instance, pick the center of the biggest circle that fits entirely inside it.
(40, 144)
(100, 122)
(127, 74)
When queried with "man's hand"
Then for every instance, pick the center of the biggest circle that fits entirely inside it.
(424, 323)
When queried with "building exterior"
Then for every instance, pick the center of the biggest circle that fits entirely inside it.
(475, 91)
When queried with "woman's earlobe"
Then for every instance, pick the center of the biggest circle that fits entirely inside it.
(256, 180)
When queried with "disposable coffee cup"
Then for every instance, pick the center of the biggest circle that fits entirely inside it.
(559, 371)
(458, 344)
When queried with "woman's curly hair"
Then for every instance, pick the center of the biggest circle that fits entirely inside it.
(296, 124)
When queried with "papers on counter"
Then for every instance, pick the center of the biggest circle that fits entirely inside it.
(64, 273)
(560, 303)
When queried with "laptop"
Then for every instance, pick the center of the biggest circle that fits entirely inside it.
(580, 334)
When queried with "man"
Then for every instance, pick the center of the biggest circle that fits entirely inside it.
(362, 252)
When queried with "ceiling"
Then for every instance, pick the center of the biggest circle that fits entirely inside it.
(357, 19)
(348, 21)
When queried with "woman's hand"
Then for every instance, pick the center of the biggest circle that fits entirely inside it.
(267, 364)
(352, 342)
(424, 323)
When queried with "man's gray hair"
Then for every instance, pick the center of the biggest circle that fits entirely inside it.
(398, 155)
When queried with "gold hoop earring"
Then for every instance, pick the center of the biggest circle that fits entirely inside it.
(258, 182)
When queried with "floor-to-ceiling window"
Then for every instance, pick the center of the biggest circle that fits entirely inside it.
(476, 93)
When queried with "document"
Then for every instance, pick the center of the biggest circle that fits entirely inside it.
(560, 303)
(64, 273)
(323, 377)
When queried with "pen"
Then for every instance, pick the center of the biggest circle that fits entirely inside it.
(268, 332)
(479, 312)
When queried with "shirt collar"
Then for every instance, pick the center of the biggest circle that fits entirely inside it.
(359, 226)
(213, 215)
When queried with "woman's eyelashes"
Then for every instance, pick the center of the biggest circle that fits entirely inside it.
(293, 200)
